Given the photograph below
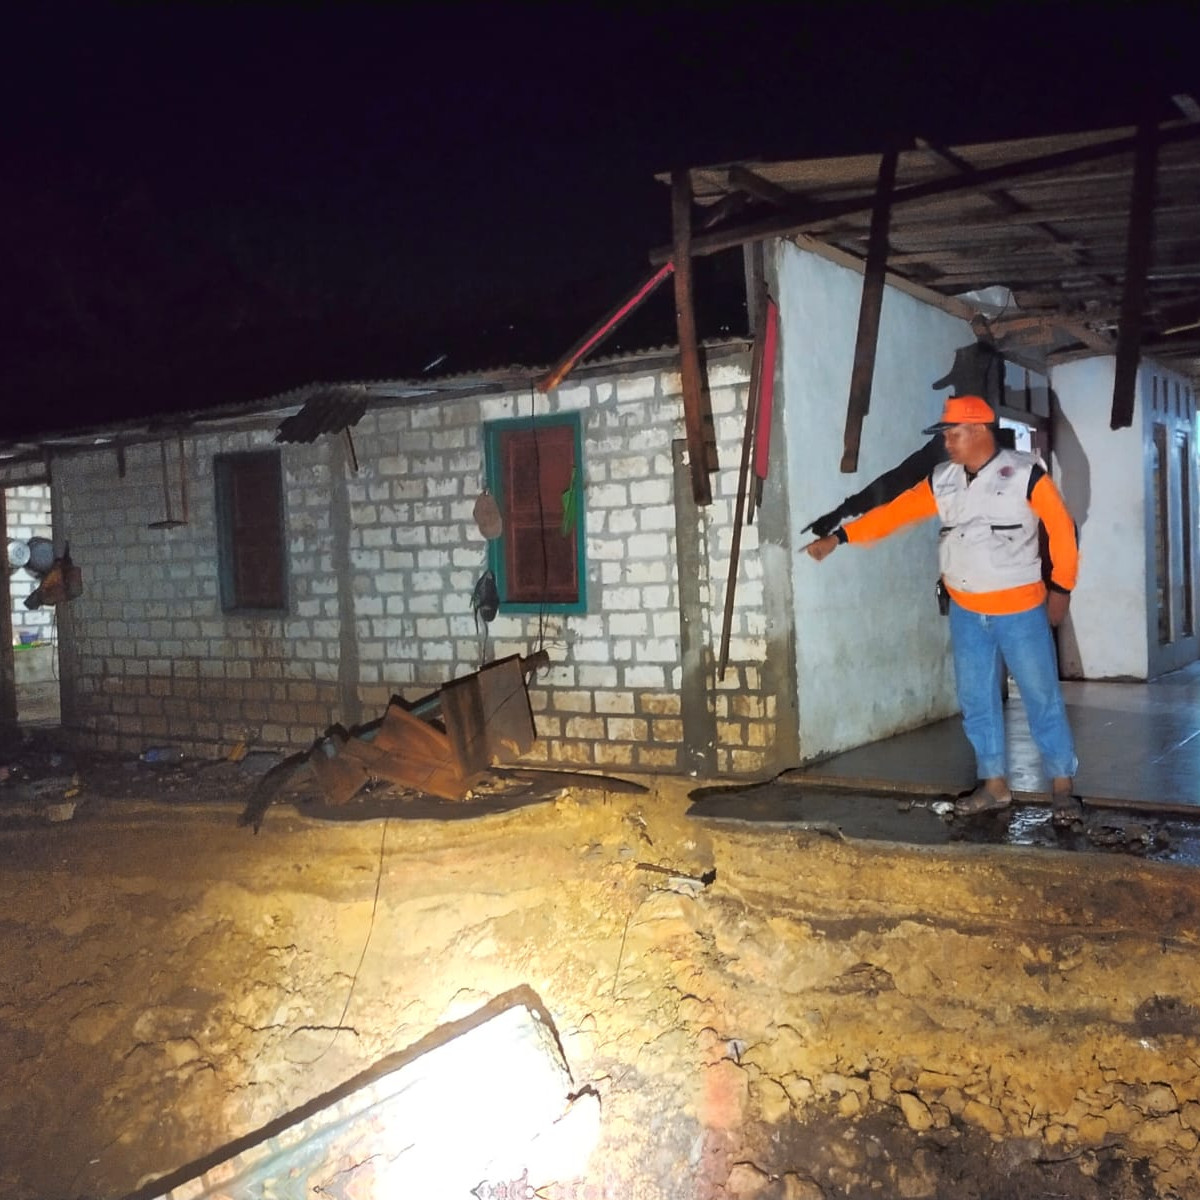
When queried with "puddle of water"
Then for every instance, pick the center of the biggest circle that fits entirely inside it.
(896, 817)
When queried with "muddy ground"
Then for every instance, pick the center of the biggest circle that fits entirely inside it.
(824, 1018)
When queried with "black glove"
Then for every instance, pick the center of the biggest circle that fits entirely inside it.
(824, 525)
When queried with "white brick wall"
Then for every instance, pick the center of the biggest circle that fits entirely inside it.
(27, 512)
(156, 658)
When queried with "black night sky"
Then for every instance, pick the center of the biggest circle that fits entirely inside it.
(202, 205)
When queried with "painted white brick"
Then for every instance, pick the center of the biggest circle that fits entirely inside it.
(622, 521)
(727, 374)
(591, 626)
(652, 519)
(648, 545)
(636, 388)
(596, 677)
(728, 400)
(432, 559)
(611, 495)
(643, 572)
(666, 625)
(591, 651)
(628, 468)
(425, 604)
(639, 677)
(497, 408)
(622, 599)
(572, 398)
(650, 491)
(635, 624)
(449, 485)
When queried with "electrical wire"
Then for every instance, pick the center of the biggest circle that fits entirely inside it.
(362, 957)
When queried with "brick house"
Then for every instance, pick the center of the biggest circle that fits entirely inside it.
(235, 584)
(376, 554)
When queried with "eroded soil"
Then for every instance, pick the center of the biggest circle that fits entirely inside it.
(825, 1018)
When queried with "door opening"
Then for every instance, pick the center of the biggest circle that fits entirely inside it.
(33, 632)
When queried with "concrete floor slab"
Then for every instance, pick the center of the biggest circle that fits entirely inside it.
(1138, 746)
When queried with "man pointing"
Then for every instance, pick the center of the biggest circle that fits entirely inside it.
(990, 502)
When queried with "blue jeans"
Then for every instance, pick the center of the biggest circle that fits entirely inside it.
(1024, 642)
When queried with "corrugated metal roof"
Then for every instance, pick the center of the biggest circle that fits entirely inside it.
(333, 404)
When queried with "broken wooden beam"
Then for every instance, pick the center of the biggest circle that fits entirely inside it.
(689, 350)
(603, 328)
(627, 306)
(1137, 264)
(874, 278)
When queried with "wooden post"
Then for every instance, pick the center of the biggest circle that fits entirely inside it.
(739, 508)
(689, 351)
(868, 314)
(1137, 264)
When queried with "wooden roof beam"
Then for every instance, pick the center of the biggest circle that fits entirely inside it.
(874, 278)
(800, 218)
(689, 350)
(742, 179)
(1137, 264)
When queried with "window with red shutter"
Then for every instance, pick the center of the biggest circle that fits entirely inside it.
(250, 531)
(535, 473)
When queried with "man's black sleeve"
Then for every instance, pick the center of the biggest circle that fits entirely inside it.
(885, 487)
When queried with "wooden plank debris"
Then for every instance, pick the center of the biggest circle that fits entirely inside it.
(487, 720)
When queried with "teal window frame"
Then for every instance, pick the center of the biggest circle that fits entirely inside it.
(494, 431)
(270, 536)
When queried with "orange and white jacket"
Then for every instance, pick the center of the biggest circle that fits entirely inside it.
(988, 551)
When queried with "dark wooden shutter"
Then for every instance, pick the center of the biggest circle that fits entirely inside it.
(253, 488)
(541, 563)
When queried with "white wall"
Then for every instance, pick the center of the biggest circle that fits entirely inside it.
(1169, 402)
(1100, 474)
(872, 652)
(1107, 479)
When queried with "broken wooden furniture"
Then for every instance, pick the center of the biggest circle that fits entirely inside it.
(487, 720)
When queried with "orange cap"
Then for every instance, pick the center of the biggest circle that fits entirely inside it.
(963, 410)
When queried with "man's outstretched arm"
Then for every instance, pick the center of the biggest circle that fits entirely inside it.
(916, 504)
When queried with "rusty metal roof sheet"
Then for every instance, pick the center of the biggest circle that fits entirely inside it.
(330, 410)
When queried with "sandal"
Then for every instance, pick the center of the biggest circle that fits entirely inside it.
(1065, 809)
(981, 801)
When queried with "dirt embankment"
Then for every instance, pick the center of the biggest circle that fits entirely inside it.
(824, 1018)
